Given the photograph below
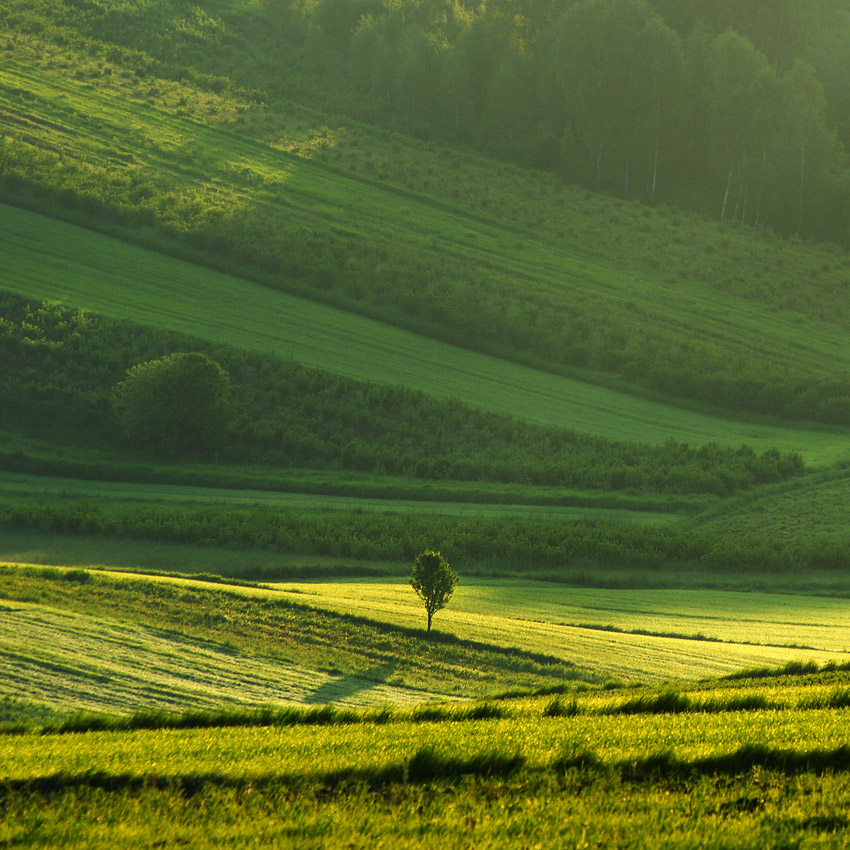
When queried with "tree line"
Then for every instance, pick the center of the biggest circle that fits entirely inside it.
(738, 109)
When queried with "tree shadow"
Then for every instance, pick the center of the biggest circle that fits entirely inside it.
(346, 686)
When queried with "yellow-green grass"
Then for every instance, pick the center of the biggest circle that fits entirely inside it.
(747, 629)
(309, 753)
(315, 788)
(16, 487)
(693, 633)
(115, 641)
(71, 662)
(108, 127)
(47, 259)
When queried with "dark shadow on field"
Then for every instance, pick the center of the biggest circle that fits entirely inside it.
(347, 686)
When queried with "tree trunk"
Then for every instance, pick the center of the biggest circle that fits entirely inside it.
(654, 174)
(802, 187)
(726, 193)
(430, 615)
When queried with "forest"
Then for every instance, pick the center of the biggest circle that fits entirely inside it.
(737, 109)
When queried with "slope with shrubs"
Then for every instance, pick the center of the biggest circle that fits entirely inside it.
(286, 196)
(65, 364)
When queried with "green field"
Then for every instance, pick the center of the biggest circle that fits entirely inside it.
(633, 634)
(790, 514)
(649, 647)
(185, 149)
(43, 490)
(482, 278)
(95, 272)
(630, 634)
(743, 779)
(74, 662)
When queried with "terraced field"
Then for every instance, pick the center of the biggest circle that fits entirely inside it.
(47, 259)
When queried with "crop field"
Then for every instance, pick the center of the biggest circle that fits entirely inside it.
(791, 514)
(95, 272)
(628, 634)
(16, 488)
(206, 642)
(746, 763)
(73, 662)
(730, 778)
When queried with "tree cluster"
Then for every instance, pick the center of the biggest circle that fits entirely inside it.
(738, 108)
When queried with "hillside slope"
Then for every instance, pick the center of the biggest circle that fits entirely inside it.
(53, 260)
(513, 266)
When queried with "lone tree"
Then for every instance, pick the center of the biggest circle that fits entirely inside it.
(175, 405)
(433, 580)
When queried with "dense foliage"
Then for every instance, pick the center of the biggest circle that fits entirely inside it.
(63, 365)
(573, 551)
(433, 580)
(175, 405)
(737, 108)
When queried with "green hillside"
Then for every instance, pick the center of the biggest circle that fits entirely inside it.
(533, 285)
(50, 260)
(669, 304)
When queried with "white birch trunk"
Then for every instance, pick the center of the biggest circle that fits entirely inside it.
(726, 193)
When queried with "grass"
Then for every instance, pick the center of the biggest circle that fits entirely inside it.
(58, 658)
(634, 634)
(86, 641)
(16, 487)
(95, 272)
(185, 148)
(661, 634)
(732, 778)
(793, 515)
(177, 754)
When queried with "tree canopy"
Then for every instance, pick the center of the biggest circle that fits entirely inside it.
(433, 580)
(175, 405)
(736, 108)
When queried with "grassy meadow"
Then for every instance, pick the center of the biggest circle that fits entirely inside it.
(623, 425)
(526, 773)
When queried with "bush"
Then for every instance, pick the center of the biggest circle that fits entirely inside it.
(176, 405)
